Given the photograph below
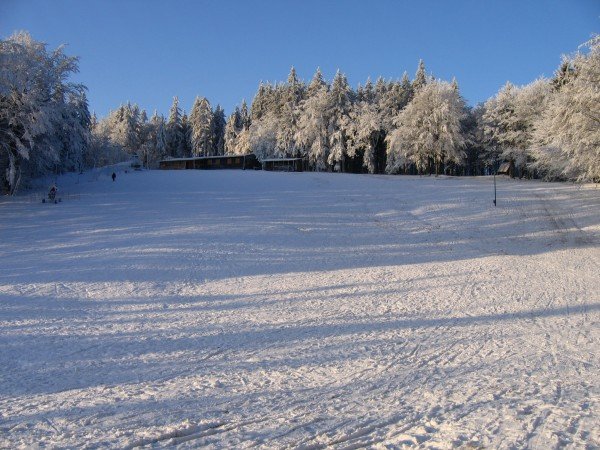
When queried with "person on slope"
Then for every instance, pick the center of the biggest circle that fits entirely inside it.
(52, 192)
(114, 176)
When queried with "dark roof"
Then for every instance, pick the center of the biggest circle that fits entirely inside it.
(282, 159)
(197, 158)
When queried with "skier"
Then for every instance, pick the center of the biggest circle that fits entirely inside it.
(114, 176)
(52, 193)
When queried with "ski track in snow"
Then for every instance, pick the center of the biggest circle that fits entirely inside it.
(234, 309)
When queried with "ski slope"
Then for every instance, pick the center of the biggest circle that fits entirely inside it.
(242, 309)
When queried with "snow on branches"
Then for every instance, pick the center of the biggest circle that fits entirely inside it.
(44, 119)
(428, 131)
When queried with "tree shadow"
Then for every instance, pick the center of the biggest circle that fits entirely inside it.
(155, 349)
(348, 222)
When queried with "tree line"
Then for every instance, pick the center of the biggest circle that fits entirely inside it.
(548, 129)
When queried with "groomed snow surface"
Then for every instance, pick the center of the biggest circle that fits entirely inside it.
(242, 309)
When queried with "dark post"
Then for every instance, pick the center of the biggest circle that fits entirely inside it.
(494, 189)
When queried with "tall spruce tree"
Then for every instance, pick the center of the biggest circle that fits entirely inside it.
(245, 115)
(420, 77)
(202, 125)
(174, 131)
(317, 83)
(186, 130)
(340, 103)
(233, 128)
(312, 132)
(219, 131)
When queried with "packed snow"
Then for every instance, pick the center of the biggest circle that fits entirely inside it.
(237, 309)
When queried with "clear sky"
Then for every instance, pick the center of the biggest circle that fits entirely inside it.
(147, 51)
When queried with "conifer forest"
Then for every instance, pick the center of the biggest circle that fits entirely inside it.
(548, 129)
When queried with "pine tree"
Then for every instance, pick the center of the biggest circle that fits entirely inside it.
(174, 132)
(454, 84)
(285, 112)
(93, 121)
(420, 77)
(263, 101)
(202, 125)
(74, 130)
(506, 129)
(232, 128)
(245, 116)
(143, 133)
(160, 145)
(381, 88)
(563, 75)
(186, 130)
(339, 120)
(262, 136)
(407, 88)
(219, 125)
(368, 92)
(313, 124)
(317, 83)
(294, 89)
(130, 128)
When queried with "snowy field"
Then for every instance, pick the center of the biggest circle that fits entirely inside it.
(234, 309)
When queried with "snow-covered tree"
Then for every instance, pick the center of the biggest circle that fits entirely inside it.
(233, 128)
(509, 119)
(186, 129)
(394, 100)
(368, 132)
(294, 89)
(286, 131)
(74, 131)
(174, 131)
(131, 128)
(103, 149)
(243, 145)
(504, 132)
(245, 115)
(201, 119)
(263, 102)
(219, 131)
(145, 138)
(290, 95)
(475, 162)
(339, 121)
(263, 136)
(43, 117)
(313, 126)
(428, 130)
(159, 138)
(420, 77)
(317, 84)
(568, 132)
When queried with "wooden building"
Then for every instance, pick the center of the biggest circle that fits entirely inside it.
(285, 164)
(211, 162)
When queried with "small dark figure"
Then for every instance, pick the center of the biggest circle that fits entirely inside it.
(52, 193)
(114, 176)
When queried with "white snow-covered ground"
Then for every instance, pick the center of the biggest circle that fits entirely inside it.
(233, 309)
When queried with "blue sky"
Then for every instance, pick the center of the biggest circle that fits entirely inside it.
(148, 51)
